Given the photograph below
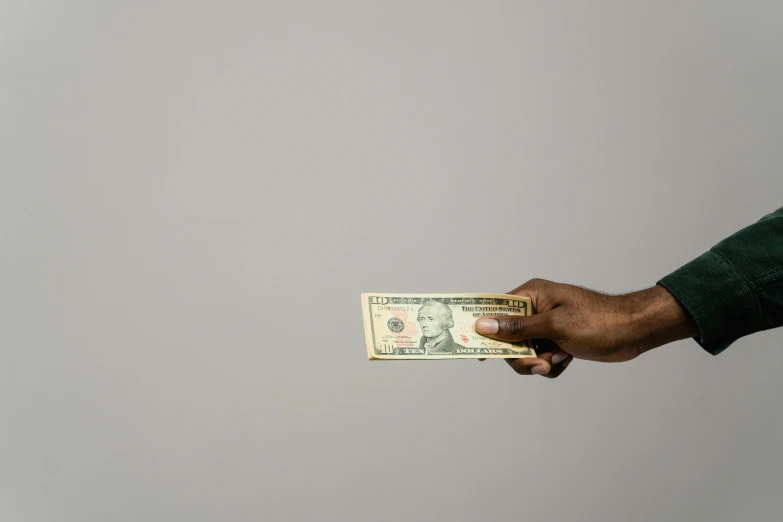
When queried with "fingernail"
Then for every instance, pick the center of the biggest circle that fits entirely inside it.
(487, 326)
(538, 370)
(565, 364)
(559, 356)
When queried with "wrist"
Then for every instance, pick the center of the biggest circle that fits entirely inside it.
(657, 318)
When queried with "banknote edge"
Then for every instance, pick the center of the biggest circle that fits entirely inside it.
(367, 325)
(444, 357)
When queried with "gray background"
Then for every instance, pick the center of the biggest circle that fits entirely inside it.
(194, 194)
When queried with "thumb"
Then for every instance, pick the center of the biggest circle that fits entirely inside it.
(516, 327)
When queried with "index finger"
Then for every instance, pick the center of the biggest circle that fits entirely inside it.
(530, 366)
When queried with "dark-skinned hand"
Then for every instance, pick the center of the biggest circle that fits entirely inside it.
(573, 322)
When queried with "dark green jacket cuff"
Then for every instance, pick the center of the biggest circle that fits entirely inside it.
(718, 298)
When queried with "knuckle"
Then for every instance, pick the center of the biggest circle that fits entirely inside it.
(513, 326)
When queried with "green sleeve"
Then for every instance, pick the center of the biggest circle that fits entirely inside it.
(736, 288)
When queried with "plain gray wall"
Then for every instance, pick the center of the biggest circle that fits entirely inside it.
(194, 194)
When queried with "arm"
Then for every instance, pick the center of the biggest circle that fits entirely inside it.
(736, 288)
(733, 290)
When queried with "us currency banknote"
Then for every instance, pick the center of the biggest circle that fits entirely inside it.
(438, 326)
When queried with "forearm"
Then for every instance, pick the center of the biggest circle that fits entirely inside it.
(656, 318)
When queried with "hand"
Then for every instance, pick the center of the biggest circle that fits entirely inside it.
(573, 322)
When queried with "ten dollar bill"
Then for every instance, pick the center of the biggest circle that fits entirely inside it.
(438, 326)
